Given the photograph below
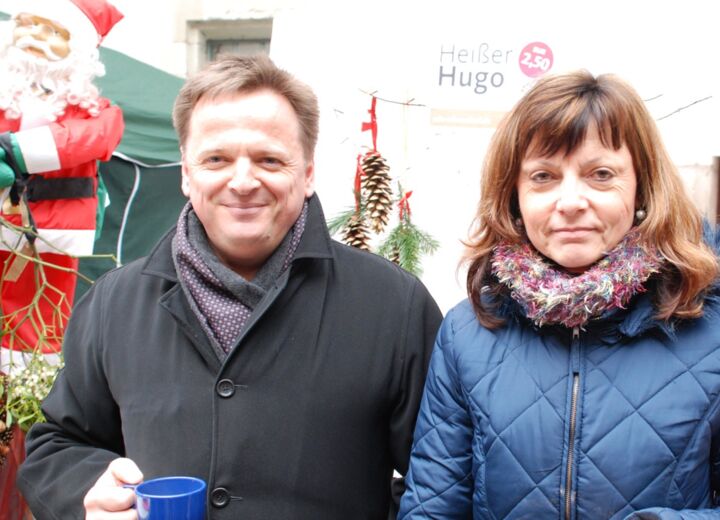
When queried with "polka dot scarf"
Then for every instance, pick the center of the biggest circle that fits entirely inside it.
(221, 299)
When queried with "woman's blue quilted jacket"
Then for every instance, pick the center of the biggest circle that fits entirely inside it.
(551, 423)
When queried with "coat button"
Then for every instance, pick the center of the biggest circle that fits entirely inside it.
(225, 388)
(220, 497)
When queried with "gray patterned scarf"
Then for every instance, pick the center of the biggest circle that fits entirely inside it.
(221, 299)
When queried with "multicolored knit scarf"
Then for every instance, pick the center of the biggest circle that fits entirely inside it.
(549, 294)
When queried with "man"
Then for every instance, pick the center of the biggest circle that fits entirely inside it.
(54, 127)
(249, 349)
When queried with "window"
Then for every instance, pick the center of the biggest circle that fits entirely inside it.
(208, 38)
(229, 46)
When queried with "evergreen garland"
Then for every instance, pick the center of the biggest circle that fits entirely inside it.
(405, 244)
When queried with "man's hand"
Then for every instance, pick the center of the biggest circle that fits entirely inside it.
(108, 498)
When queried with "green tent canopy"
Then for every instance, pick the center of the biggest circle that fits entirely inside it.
(143, 176)
(146, 96)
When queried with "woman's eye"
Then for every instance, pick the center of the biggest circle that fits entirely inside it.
(540, 177)
(603, 174)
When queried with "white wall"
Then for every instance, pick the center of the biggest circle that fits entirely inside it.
(393, 49)
(668, 50)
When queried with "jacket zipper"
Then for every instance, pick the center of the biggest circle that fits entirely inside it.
(571, 434)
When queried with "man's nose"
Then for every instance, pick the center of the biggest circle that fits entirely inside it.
(243, 179)
(571, 196)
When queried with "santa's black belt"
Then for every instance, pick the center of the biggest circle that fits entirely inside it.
(39, 188)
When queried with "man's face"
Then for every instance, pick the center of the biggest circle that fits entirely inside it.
(42, 37)
(246, 175)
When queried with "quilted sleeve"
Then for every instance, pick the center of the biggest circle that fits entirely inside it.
(423, 319)
(662, 513)
(439, 483)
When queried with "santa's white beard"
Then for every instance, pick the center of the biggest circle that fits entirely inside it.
(54, 84)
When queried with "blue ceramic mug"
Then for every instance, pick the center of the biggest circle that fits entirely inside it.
(171, 498)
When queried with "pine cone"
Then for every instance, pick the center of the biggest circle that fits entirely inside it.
(6, 435)
(394, 255)
(376, 186)
(356, 233)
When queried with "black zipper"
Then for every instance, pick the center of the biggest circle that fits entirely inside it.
(571, 435)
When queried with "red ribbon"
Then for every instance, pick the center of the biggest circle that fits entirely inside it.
(372, 124)
(358, 174)
(404, 205)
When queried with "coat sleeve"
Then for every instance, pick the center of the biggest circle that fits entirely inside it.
(422, 321)
(71, 141)
(82, 433)
(439, 482)
(664, 513)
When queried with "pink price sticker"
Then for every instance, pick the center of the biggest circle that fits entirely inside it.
(536, 59)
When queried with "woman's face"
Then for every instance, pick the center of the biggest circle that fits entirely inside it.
(577, 207)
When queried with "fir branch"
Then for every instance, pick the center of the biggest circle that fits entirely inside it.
(408, 244)
(340, 221)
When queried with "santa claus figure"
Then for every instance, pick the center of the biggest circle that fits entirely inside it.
(54, 127)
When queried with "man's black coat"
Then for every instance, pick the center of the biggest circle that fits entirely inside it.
(306, 418)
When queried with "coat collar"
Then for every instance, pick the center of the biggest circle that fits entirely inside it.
(635, 319)
(315, 243)
(640, 316)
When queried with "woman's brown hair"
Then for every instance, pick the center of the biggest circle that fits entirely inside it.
(554, 116)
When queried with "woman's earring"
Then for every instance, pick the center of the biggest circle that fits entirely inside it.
(640, 215)
(518, 222)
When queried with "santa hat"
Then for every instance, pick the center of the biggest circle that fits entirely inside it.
(88, 21)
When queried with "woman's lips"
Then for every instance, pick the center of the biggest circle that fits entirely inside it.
(573, 233)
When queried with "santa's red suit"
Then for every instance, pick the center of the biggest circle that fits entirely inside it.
(67, 148)
(56, 149)
(59, 128)
(54, 128)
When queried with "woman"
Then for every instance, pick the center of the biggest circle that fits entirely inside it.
(582, 377)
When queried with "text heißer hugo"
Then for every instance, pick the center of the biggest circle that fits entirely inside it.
(456, 66)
